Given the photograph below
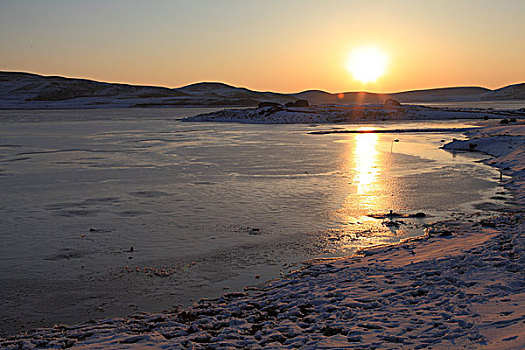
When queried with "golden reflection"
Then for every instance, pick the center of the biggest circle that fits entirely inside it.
(368, 188)
(365, 162)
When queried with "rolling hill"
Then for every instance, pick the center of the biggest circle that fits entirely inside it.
(19, 90)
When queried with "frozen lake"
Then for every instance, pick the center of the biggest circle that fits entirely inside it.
(106, 212)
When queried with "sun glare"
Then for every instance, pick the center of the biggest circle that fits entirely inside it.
(367, 64)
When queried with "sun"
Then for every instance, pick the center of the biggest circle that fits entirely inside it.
(367, 63)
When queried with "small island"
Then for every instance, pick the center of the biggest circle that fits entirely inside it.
(301, 112)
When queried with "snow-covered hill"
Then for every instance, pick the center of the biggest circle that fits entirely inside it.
(511, 92)
(441, 94)
(318, 97)
(31, 91)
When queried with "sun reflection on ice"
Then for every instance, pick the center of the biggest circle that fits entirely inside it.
(371, 189)
(367, 193)
(366, 163)
(363, 162)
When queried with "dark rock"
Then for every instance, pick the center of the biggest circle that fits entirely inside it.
(255, 231)
(302, 103)
(486, 223)
(269, 104)
(184, 317)
(92, 229)
(419, 292)
(392, 103)
(391, 224)
(328, 331)
(67, 343)
(504, 121)
(235, 295)
(305, 309)
(298, 103)
(192, 329)
(270, 110)
(255, 328)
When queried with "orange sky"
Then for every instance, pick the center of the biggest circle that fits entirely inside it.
(286, 46)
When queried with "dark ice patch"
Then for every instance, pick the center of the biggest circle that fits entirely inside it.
(148, 194)
(85, 203)
(100, 200)
(131, 213)
(66, 254)
(78, 212)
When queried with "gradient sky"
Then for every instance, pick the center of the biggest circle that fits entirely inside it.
(286, 46)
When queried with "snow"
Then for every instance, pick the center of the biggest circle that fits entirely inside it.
(342, 114)
(31, 91)
(461, 286)
(516, 91)
(442, 94)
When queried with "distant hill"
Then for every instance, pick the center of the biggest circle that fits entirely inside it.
(511, 92)
(20, 90)
(53, 88)
(31, 91)
(221, 90)
(321, 97)
(441, 94)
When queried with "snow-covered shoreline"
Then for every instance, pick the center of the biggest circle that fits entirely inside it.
(461, 286)
(506, 143)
